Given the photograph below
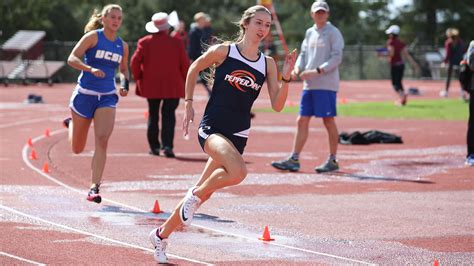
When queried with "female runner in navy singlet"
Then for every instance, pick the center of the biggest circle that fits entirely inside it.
(95, 98)
(240, 71)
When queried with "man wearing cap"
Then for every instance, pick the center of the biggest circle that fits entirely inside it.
(318, 65)
(199, 37)
(159, 67)
(396, 51)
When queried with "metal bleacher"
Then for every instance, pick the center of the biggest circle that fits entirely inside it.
(22, 58)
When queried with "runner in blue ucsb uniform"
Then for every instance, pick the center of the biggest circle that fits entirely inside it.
(240, 71)
(95, 98)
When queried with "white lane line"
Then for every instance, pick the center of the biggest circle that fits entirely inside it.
(287, 246)
(93, 235)
(54, 180)
(23, 122)
(26, 160)
(82, 192)
(20, 258)
(50, 178)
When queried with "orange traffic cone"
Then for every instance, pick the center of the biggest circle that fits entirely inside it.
(47, 133)
(343, 100)
(266, 235)
(30, 142)
(156, 208)
(45, 167)
(436, 263)
(33, 155)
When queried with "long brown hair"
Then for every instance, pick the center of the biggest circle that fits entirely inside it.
(247, 16)
(95, 21)
(244, 20)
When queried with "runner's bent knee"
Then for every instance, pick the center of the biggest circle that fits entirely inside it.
(78, 147)
(238, 176)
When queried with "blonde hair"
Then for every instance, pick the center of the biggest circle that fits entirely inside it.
(244, 20)
(95, 21)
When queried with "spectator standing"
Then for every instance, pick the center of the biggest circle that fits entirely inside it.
(207, 36)
(159, 66)
(470, 89)
(318, 65)
(199, 40)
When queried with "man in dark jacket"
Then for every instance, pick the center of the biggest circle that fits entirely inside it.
(159, 67)
(199, 38)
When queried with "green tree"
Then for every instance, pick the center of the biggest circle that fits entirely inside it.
(360, 21)
(37, 15)
(428, 20)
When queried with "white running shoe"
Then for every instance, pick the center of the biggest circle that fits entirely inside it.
(190, 191)
(160, 247)
(470, 160)
(443, 93)
(190, 205)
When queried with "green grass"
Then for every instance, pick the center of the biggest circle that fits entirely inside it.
(442, 109)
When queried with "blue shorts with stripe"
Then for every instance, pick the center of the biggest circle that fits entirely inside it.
(318, 103)
(86, 104)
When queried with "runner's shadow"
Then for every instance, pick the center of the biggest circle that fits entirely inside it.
(117, 209)
(141, 218)
(152, 217)
(152, 221)
(202, 216)
(380, 178)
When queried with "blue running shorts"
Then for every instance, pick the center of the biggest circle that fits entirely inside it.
(318, 103)
(86, 104)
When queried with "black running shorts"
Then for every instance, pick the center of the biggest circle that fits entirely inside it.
(205, 131)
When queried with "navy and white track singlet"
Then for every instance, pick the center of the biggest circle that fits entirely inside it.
(237, 84)
(106, 55)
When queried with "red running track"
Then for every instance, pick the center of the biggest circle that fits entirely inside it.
(389, 204)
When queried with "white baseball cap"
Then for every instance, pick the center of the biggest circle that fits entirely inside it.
(159, 22)
(394, 29)
(319, 5)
